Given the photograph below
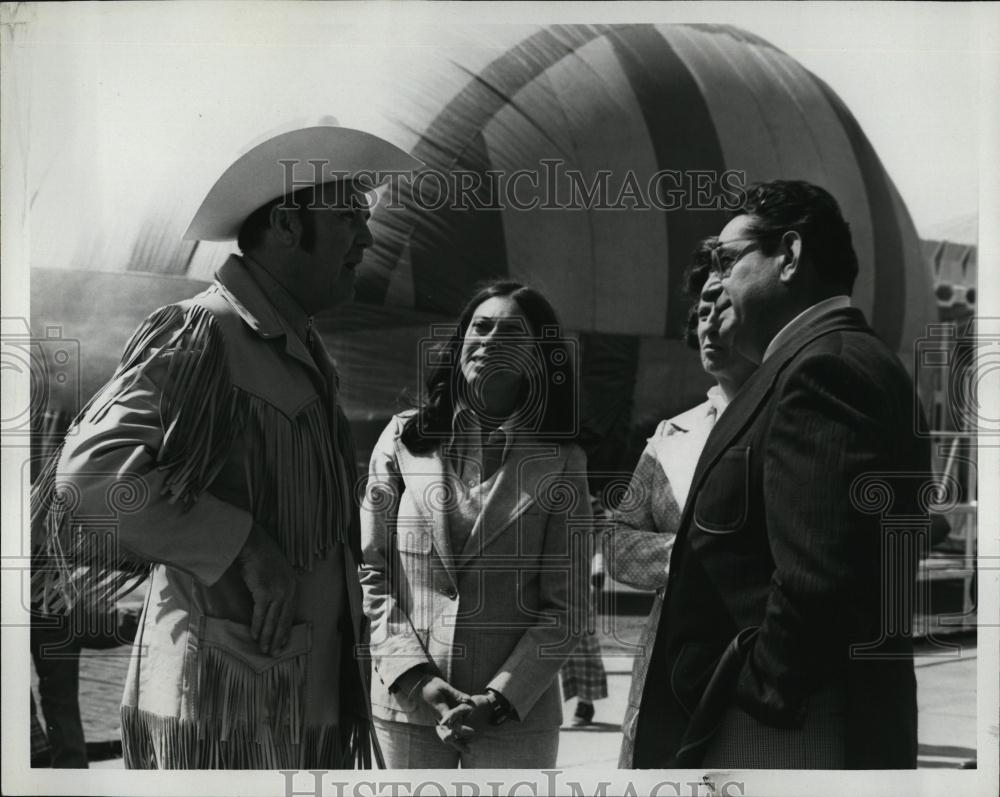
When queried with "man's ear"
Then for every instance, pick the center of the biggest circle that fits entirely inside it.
(285, 226)
(790, 249)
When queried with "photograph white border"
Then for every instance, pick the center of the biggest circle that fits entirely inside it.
(16, 231)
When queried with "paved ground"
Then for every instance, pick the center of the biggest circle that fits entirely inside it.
(946, 696)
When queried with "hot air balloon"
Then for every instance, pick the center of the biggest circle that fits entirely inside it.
(617, 128)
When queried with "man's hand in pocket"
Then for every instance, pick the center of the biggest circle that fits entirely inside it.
(272, 583)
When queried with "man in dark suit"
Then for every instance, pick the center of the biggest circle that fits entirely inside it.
(785, 636)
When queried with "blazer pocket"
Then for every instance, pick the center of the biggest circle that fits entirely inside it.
(414, 538)
(243, 690)
(722, 503)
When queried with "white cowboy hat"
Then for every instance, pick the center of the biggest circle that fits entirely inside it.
(288, 162)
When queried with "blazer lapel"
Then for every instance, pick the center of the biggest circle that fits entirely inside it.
(424, 478)
(515, 489)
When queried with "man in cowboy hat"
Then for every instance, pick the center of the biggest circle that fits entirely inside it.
(221, 450)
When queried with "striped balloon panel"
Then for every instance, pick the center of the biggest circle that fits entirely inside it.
(447, 263)
(773, 123)
(630, 99)
(635, 99)
(615, 257)
(679, 125)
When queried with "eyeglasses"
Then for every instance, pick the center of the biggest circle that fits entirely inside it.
(724, 261)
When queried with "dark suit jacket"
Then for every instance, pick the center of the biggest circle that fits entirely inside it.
(802, 509)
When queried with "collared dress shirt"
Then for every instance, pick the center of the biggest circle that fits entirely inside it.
(474, 469)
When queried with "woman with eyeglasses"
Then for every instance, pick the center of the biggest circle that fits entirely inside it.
(474, 529)
(639, 544)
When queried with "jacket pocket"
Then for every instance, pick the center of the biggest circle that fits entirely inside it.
(723, 500)
(691, 672)
(414, 538)
(240, 690)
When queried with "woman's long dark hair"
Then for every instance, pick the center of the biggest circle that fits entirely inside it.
(557, 416)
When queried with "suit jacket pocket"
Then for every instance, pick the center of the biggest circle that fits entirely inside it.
(243, 691)
(716, 698)
(691, 672)
(722, 502)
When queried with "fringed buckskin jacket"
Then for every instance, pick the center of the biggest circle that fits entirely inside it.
(219, 416)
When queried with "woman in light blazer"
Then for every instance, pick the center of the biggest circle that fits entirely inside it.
(475, 528)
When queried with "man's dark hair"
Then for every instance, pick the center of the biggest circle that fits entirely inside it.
(782, 205)
(428, 428)
(252, 230)
(695, 278)
(329, 194)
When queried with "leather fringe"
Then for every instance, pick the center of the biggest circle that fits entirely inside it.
(200, 419)
(297, 487)
(243, 701)
(150, 741)
(350, 532)
(77, 565)
(294, 487)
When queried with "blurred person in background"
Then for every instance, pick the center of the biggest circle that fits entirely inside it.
(583, 675)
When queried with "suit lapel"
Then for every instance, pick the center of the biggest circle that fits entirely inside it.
(425, 480)
(518, 480)
(749, 400)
